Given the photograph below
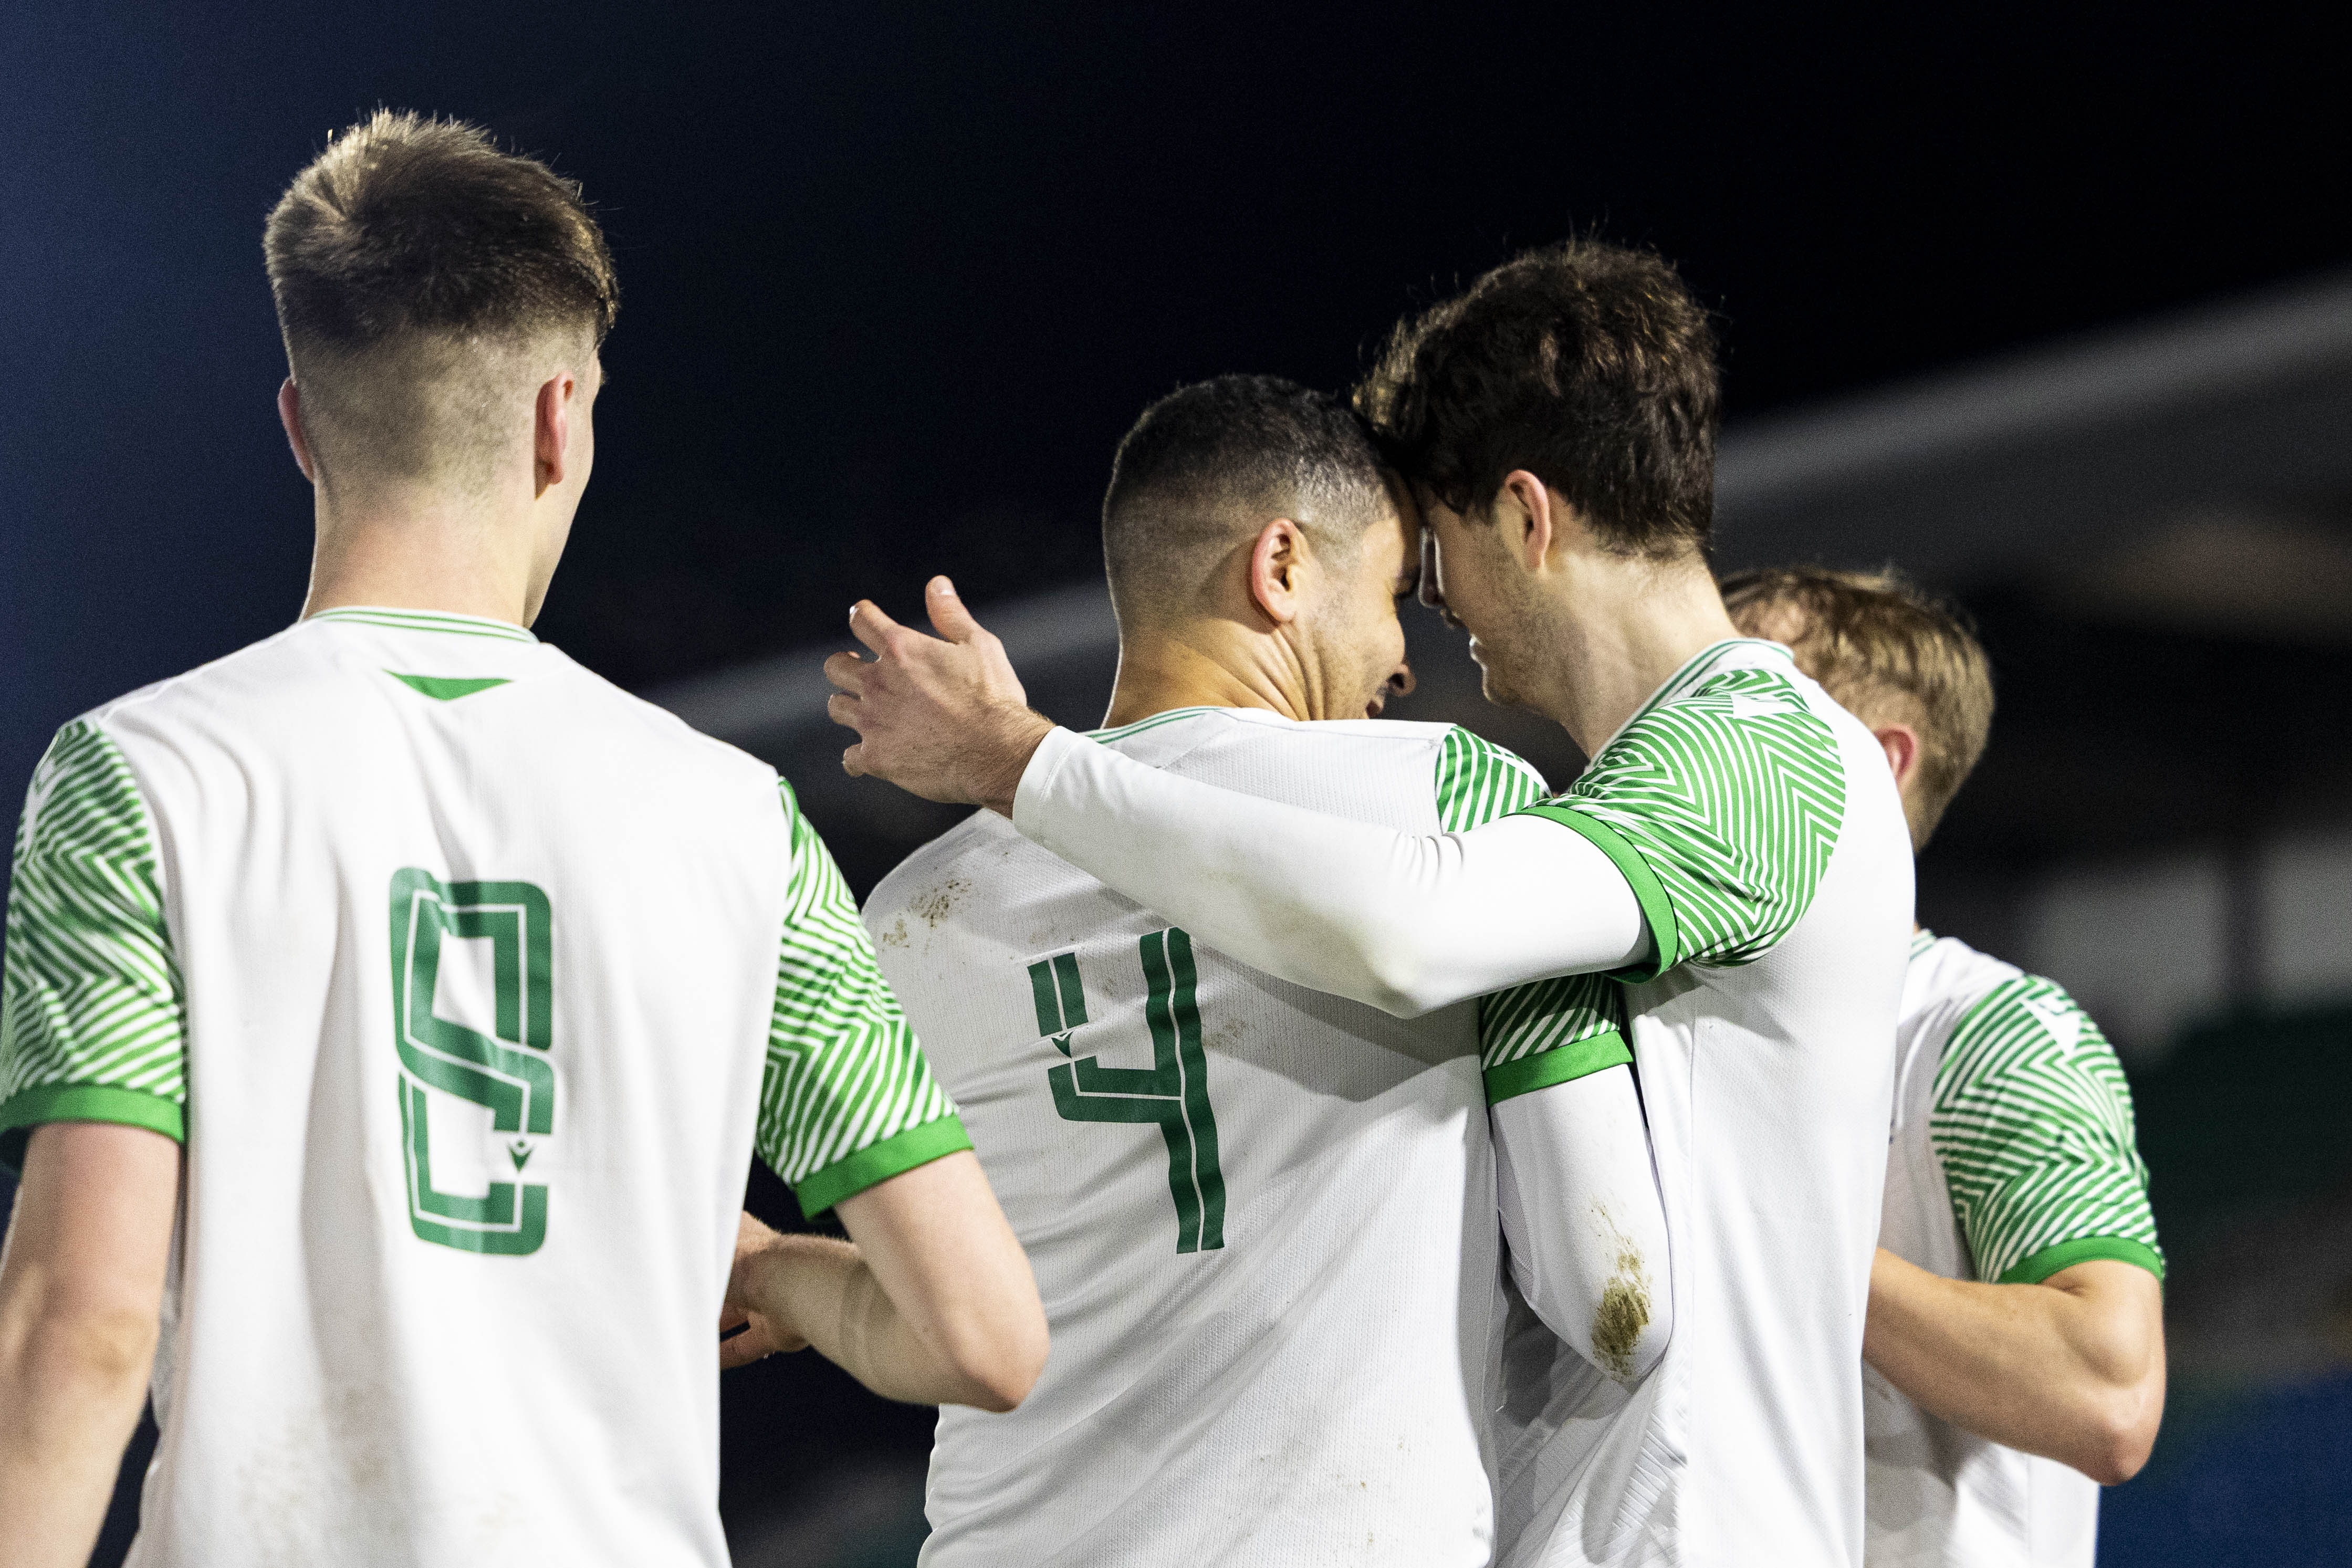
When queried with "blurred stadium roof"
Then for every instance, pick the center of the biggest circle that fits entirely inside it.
(2187, 474)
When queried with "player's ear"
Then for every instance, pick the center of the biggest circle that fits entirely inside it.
(1901, 744)
(1277, 570)
(552, 430)
(1524, 508)
(290, 414)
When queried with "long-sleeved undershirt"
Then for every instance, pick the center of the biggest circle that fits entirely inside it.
(1409, 922)
(1406, 922)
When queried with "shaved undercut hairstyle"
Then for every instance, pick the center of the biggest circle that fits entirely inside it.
(1589, 365)
(424, 279)
(1889, 653)
(1210, 465)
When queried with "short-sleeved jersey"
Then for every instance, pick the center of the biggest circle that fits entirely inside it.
(1262, 1218)
(1758, 826)
(468, 981)
(2011, 1157)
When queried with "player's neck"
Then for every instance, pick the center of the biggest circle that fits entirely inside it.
(1623, 634)
(1209, 665)
(420, 550)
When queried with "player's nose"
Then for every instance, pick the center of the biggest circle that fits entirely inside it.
(1400, 681)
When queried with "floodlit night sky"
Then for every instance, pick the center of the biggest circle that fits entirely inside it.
(896, 280)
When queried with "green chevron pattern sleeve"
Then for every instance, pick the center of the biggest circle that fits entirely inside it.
(1721, 805)
(1478, 781)
(1550, 1031)
(92, 1021)
(2032, 1123)
(848, 1100)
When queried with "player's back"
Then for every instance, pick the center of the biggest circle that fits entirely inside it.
(1262, 1218)
(477, 956)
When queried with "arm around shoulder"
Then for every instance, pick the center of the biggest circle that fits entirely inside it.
(1405, 922)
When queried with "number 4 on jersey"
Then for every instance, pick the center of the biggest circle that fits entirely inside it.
(1173, 1091)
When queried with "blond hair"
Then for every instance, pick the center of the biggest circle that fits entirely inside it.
(1889, 653)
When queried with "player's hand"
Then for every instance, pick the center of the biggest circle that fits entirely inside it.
(757, 1248)
(942, 717)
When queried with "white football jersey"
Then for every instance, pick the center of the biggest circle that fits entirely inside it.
(2011, 1157)
(1262, 1218)
(1757, 823)
(468, 981)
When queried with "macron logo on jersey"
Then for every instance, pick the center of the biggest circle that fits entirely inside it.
(2063, 1026)
(1746, 707)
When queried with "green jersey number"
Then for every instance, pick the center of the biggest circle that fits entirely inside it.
(506, 1073)
(1173, 1091)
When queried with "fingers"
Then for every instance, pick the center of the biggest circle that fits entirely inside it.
(849, 672)
(869, 626)
(745, 1348)
(845, 711)
(949, 617)
(853, 763)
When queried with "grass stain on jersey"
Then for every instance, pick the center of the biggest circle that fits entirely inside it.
(938, 904)
(1623, 1310)
(1623, 1313)
(447, 688)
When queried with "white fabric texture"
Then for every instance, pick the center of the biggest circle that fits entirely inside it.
(1588, 1256)
(332, 1387)
(1312, 1388)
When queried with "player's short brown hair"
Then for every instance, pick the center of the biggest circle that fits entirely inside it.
(1210, 464)
(1591, 366)
(1889, 653)
(414, 251)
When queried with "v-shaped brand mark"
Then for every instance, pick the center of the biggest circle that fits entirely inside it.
(447, 688)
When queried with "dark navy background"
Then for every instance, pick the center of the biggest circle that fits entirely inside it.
(896, 277)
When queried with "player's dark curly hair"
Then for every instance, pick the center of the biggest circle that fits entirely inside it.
(1591, 366)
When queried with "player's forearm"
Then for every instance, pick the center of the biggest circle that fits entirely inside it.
(823, 1288)
(80, 1297)
(1587, 1228)
(2072, 1368)
(72, 1389)
(941, 1251)
(1406, 922)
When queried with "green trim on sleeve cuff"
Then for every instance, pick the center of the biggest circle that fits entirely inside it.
(2066, 1254)
(1564, 1064)
(49, 1102)
(1665, 945)
(877, 1163)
